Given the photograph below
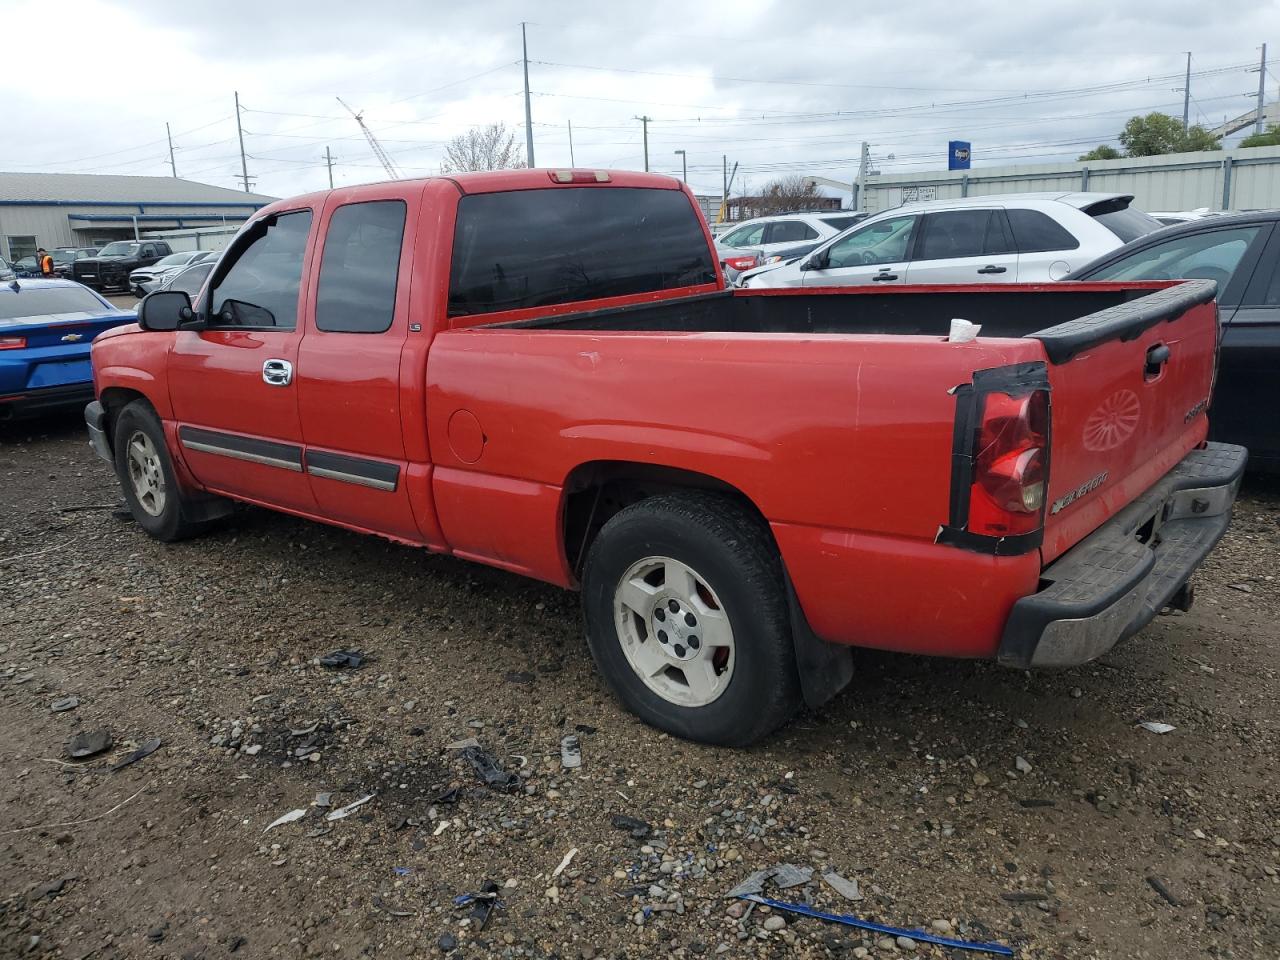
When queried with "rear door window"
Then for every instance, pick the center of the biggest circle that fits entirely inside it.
(789, 231)
(952, 234)
(360, 267)
(531, 248)
(261, 276)
(1036, 232)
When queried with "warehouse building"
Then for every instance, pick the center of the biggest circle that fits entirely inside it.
(54, 210)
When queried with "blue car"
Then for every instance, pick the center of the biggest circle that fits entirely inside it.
(46, 327)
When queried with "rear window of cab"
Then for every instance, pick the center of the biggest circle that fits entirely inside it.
(532, 248)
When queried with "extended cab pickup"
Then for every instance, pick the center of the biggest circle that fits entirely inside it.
(543, 371)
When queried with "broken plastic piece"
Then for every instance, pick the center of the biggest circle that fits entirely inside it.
(962, 331)
(349, 809)
(846, 888)
(482, 903)
(380, 904)
(570, 752)
(88, 744)
(148, 748)
(921, 936)
(490, 770)
(289, 817)
(568, 859)
(65, 704)
(1156, 727)
(638, 829)
(463, 744)
(785, 875)
(342, 658)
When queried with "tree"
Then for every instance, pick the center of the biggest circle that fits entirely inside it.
(1268, 138)
(482, 148)
(1101, 152)
(1159, 133)
(786, 193)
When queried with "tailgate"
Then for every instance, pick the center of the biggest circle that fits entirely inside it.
(1130, 392)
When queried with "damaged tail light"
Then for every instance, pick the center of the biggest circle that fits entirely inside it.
(741, 263)
(1010, 464)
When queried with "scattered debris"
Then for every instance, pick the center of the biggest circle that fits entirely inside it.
(922, 936)
(449, 796)
(447, 942)
(584, 728)
(570, 752)
(1155, 726)
(846, 888)
(148, 748)
(289, 817)
(402, 871)
(52, 889)
(235, 942)
(1022, 896)
(323, 800)
(482, 903)
(490, 771)
(784, 875)
(1021, 765)
(1242, 587)
(88, 744)
(1160, 887)
(520, 676)
(568, 859)
(342, 658)
(463, 744)
(349, 809)
(74, 823)
(380, 904)
(305, 731)
(65, 704)
(638, 829)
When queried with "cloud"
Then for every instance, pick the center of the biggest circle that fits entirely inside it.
(776, 87)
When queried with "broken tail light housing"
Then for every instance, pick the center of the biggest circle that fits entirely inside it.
(1010, 464)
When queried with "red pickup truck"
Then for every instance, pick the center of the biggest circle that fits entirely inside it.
(542, 370)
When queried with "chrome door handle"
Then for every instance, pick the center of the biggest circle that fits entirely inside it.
(992, 268)
(277, 373)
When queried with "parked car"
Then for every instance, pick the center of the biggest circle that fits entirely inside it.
(6, 271)
(1241, 252)
(737, 510)
(1170, 218)
(752, 242)
(114, 262)
(145, 279)
(189, 279)
(64, 257)
(46, 327)
(1028, 237)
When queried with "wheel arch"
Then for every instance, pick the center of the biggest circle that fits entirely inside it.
(113, 400)
(596, 490)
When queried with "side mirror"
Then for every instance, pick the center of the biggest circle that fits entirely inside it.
(817, 261)
(164, 310)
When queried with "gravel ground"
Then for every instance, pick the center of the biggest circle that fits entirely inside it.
(1029, 809)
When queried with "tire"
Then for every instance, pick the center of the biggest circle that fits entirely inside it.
(661, 572)
(147, 478)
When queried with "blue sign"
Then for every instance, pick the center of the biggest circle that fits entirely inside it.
(958, 155)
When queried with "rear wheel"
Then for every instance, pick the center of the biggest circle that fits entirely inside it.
(687, 618)
(147, 478)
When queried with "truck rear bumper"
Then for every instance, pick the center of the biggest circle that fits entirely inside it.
(1113, 583)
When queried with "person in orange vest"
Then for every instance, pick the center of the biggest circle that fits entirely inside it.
(45, 263)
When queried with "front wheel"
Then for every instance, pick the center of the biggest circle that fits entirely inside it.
(687, 619)
(146, 476)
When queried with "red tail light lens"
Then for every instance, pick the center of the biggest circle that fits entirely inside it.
(12, 343)
(1010, 464)
(740, 263)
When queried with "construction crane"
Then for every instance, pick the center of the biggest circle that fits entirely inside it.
(392, 171)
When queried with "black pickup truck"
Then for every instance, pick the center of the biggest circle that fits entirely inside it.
(114, 262)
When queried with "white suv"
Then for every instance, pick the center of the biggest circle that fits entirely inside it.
(1005, 238)
(782, 231)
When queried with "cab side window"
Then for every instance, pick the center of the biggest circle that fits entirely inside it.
(360, 267)
(259, 282)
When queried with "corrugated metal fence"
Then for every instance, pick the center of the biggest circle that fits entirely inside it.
(1241, 179)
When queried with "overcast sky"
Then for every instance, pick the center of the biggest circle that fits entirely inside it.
(777, 87)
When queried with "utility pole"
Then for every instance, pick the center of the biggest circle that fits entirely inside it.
(571, 163)
(528, 111)
(645, 123)
(860, 201)
(1186, 96)
(172, 166)
(244, 167)
(328, 159)
(724, 185)
(1262, 78)
(684, 166)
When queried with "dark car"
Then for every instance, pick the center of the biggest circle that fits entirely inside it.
(114, 262)
(64, 257)
(1242, 253)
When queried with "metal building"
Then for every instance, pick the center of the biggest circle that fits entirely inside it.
(1242, 178)
(53, 210)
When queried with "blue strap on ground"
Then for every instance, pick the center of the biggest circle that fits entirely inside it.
(852, 921)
